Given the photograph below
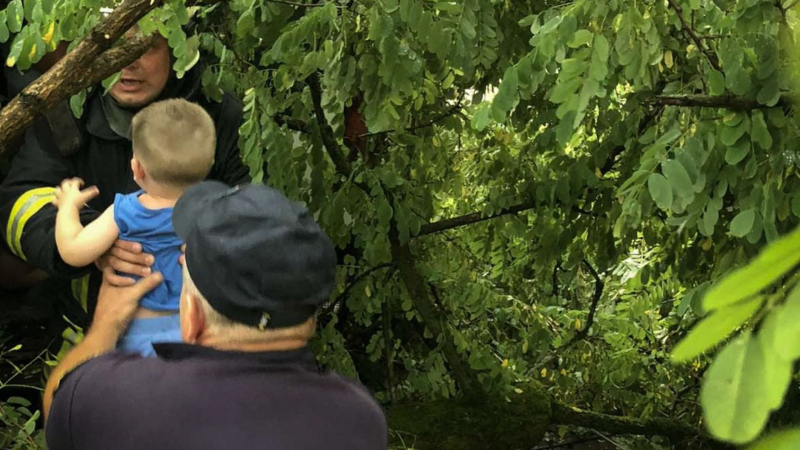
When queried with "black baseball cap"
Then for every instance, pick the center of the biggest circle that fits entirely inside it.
(257, 257)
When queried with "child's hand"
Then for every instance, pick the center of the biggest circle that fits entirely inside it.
(70, 194)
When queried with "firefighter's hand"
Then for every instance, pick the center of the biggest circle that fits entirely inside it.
(69, 194)
(125, 257)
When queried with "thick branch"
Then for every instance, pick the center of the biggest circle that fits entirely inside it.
(564, 414)
(710, 101)
(418, 292)
(712, 58)
(80, 68)
(326, 132)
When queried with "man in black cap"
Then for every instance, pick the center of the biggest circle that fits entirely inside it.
(256, 268)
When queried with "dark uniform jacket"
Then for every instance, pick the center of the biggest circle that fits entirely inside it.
(59, 147)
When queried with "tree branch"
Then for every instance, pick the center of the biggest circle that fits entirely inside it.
(325, 130)
(569, 415)
(421, 298)
(711, 101)
(303, 5)
(84, 66)
(292, 124)
(598, 292)
(712, 58)
(469, 219)
(452, 111)
(341, 297)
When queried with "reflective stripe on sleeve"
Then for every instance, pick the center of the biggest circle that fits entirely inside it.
(24, 208)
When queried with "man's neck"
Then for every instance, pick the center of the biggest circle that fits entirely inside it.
(272, 346)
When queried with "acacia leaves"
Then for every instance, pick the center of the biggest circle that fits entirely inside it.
(739, 389)
(749, 377)
(714, 329)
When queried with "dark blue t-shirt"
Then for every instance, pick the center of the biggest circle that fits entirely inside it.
(198, 398)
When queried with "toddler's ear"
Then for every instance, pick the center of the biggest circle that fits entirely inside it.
(137, 169)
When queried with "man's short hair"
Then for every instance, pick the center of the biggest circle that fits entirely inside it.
(175, 141)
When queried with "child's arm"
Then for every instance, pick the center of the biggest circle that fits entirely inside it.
(79, 246)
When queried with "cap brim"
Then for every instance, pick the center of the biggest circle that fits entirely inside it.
(193, 203)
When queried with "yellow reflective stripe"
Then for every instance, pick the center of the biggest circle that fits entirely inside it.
(24, 208)
(80, 290)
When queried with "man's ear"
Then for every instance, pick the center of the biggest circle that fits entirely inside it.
(137, 169)
(193, 319)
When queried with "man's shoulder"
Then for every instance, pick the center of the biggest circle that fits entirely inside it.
(353, 396)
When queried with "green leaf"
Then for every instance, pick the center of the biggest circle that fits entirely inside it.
(18, 401)
(601, 47)
(551, 24)
(743, 223)
(785, 440)
(4, 33)
(14, 12)
(731, 134)
(786, 333)
(481, 118)
(468, 28)
(76, 103)
(738, 80)
(738, 152)
(778, 369)
(778, 258)
(579, 38)
(507, 93)
(713, 329)
(770, 93)
(678, 178)
(716, 82)
(759, 132)
(660, 191)
(734, 405)
(385, 212)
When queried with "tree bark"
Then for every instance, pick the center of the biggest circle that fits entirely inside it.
(418, 292)
(90, 62)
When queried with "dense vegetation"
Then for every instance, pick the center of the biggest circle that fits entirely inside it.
(534, 202)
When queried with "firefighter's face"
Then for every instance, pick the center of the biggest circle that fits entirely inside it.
(142, 81)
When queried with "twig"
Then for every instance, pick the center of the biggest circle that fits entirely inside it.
(604, 437)
(452, 111)
(712, 59)
(339, 298)
(303, 5)
(583, 332)
(468, 219)
(731, 102)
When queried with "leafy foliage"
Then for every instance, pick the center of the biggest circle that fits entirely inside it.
(618, 201)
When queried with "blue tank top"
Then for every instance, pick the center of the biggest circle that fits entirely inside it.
(153, 229)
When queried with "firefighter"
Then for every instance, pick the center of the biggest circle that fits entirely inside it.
(97, 148)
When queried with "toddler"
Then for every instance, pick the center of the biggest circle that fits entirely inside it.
(173, 148)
